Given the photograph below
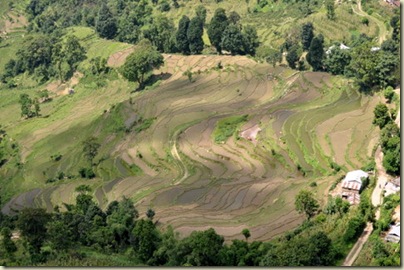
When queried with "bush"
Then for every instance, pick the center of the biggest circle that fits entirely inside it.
(313, 184)
(389, 93)
(56, 157)
(354, 230)
(369, 167)
(87, 173)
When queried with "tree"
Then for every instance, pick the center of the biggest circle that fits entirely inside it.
(217, 25)
(194, 35)
(26, 104)
(232, 40)
(389, 94)
(337, 60)
(161, 34)
(129, 27)
(181, 36)
(201, 248)
(246, 233)
(146, 239)
(32, 223)
(307, 35)
(8, 244)
(365, 21)
(392, 159)
(330, 10)
(90, 148)
(141, 62)
(201, 13)
(315, 55)
(305, 203)
(106, 25)
(250, 39)
(98, 65)
(354, 229)
(234, 17)
(74, 52)
(150, 213)
(373, 68)
(381, 115)
(292, 57)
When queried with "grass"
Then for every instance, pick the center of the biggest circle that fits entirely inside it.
(227, 127)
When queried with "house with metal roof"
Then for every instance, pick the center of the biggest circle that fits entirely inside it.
(394, 234)
(353, 181)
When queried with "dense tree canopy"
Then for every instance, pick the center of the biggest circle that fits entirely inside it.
(232, 40)
(194, 35)
(106, 24)
(217, 26)
(143, 60)
(305, 203)
(316, 54)
(181, 36)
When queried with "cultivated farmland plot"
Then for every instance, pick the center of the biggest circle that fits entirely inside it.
(305, 120)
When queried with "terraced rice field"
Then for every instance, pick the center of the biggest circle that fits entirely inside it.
(193, 183)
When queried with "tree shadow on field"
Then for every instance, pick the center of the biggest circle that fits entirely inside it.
(152, 79)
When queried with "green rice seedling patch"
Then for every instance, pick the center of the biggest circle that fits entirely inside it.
(227, 127)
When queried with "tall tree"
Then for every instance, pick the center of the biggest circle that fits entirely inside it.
(146, 239)
(305, 203)
(381, 115)
(32, 223)
(26, 106)
(337, 60)
(194, 35)
(307, 35)
(232, 40)
(181, 36)
(106, 24)
(216, 28)
(250, 39)
(90, 148)
(234, 17)
(161, 33)
(293, 56)
(315, 55)
(330, 10)
(141, 62)
(201, 13)
(8, 244)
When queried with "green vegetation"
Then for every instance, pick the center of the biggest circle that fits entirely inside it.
(77, 151)
(227, 127)
(376, 251)
(140, 63)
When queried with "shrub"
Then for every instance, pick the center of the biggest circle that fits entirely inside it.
(313, 184)
(87, 173)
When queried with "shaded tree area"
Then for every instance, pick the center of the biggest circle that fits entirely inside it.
(46, 56)
(229, 35)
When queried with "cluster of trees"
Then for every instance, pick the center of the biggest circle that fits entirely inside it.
(132, 21)
(370, 66)
(389, 139)
(46, 56)
(29, 107)
(226, 33)
(61, 236)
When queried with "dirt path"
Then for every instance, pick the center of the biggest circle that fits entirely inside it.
(174, 153)
(382, 27)
(353, 254)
